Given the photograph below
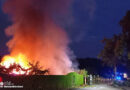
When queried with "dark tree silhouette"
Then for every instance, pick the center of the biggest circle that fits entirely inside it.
(125, 24)
(36, 69)
(33, 70)
(112, 52)
(117, 49)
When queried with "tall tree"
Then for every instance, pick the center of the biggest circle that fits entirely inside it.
(125, 24)
(117, 49)
(112, 52)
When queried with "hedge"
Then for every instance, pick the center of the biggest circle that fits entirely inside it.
(47, 81)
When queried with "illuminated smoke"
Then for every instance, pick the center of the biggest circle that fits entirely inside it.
(34, 33)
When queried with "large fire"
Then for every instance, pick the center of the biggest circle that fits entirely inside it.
(18, 60)
(38, 42)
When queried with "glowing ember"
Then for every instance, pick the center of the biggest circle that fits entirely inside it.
(20, 61)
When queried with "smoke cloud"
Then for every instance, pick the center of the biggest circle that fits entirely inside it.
(35, 34)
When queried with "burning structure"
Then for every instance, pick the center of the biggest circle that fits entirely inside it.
(35, 37)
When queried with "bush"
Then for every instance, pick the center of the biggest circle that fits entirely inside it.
(46, 81)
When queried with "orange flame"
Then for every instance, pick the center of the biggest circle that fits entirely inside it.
(20, 59)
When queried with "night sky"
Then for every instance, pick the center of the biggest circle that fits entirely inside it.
(89, 22)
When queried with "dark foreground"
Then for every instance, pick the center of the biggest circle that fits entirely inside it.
(103, 87)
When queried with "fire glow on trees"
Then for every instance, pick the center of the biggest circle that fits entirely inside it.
(19, 64)
(19, 59)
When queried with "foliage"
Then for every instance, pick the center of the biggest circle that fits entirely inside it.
(113, 50)
(36, 69)
(47, 81)
(76, 78)
(83, 72)
(125, 24)
(33, 70)
(12, 67)
(117, 49)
